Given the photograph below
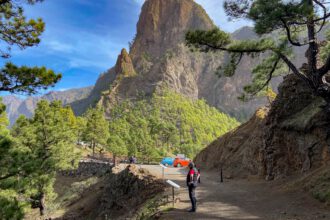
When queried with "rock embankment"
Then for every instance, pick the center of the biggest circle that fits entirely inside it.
(293, 138)
(237, 152)
(297, 134)
(127, 191)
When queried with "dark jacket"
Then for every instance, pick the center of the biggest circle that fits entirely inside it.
(193, 172)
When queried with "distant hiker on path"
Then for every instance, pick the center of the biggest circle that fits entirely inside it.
(131, 160)
(192, 178)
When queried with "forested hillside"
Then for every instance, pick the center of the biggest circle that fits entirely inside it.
(167, 124)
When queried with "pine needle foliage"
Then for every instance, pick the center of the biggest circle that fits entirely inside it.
(167, 124)
(282, 26)
(32, 154)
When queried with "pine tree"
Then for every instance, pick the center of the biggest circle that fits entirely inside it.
(81, 127)
(43, 146)
(117, 147)
(16, 30)
(293, 23)
(97, 128)
(53, 150)
(11, 208)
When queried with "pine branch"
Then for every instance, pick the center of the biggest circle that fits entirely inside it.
(288, 34)
(324, 14)
(270, 76)
(294, 69)
(9, 175)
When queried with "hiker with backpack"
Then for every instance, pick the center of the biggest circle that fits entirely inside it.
(192, 179)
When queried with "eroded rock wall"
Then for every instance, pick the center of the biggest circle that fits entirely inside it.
(297, 131)
(237, 152)
(292, 138)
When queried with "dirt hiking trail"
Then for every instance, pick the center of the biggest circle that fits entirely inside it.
(241, 199)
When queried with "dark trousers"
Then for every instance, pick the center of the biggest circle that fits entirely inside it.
(192, 197)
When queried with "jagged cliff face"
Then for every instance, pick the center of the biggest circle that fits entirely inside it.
(162, 26)
(293, 137)
(159, 58)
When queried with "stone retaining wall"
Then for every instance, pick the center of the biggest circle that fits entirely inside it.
(89, 168)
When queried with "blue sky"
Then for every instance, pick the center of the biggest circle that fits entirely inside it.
(84, 37)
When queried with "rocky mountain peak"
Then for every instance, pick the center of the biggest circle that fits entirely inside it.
(244, 33)
(159, 58)
(163, 24)
(124, 65)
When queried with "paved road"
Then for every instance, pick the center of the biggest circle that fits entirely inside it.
(240, 199)
(170, 173)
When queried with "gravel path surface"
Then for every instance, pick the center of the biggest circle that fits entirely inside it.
(240, 199)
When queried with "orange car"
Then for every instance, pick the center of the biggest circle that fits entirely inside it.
(181, 162)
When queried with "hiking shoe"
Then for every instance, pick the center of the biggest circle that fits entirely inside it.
(192, 210)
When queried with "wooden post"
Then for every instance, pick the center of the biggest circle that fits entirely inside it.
(221, 175)
(173, 195)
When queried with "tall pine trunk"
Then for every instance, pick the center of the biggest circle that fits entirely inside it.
(114, 160)
(42, 204)
(93, 148)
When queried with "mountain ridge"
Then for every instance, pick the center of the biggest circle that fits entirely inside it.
(16, 106)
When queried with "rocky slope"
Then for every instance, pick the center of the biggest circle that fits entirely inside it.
(292, 138)
(159, 58)
(16, 106)
(237, 152)
(122, 194)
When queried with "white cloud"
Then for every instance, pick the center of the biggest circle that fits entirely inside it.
(79, 49)
(63, 89)
(57, 46)
(82, 62)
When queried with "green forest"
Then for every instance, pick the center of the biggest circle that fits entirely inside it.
(166, 124)
(31, 154)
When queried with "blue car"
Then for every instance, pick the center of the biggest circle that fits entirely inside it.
(167, 161)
